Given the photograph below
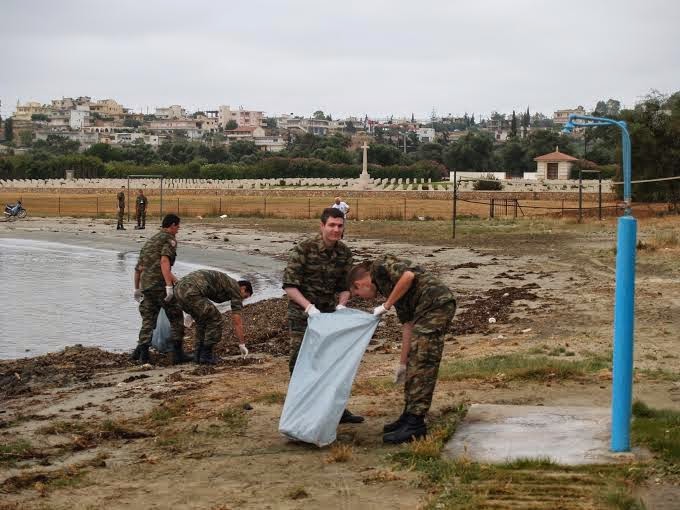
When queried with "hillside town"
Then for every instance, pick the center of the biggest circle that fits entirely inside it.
(89, 121)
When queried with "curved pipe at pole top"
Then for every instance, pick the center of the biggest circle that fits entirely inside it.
(590, 121)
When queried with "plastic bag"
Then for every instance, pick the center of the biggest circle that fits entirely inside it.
(327, 363)
(162, 334)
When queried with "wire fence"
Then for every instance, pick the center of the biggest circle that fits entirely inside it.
(373, 208)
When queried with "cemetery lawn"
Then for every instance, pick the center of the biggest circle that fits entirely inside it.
(87, 429)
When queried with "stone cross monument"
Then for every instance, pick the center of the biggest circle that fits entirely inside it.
(364, 178)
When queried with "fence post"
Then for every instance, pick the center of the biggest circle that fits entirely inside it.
(265, 206)
(59, 205)
(491, 204)
(515, 212)
(177, 206)
(357, 209)
(309, 208)
(220, 206)
(97, 197)
(404, 215)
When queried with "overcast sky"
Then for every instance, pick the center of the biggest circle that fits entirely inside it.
(343, 56)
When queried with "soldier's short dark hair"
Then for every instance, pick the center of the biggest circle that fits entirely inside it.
(169, 220)
(248, 286)
(331, 212)
(358, 272)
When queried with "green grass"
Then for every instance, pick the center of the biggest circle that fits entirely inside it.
(659, 430)
(14, 451)
(234, 419)
(621, 500)
(529, 463)
(162, 414)
(64, 427)
(520, 366)
(659, 374)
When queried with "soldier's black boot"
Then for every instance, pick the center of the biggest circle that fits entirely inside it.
(348, 417)
(135, 354)
(412, 427)
(144, 356)
(179, 356)
(207, 357)
(391, 427)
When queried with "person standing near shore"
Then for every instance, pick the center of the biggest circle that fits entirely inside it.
(154, 289)
(344, 207)
(140, 210)
(120, 209)
(316, 273)
(425, 307)
(195, 294)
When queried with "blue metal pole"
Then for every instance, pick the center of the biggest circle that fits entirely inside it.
(624, 322)
(624, 305)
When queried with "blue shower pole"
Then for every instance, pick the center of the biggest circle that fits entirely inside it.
(624, 305)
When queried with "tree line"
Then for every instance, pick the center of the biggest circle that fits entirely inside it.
(654, 124)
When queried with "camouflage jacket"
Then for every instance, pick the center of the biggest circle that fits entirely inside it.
(319, 273)
(213, 285)
(149, 261)
(121, 200)
(140, 203)
(426, 292)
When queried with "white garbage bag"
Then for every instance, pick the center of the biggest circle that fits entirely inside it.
(162, 334)
(328, 361)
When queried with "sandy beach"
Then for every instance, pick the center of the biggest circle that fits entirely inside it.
(98, 431)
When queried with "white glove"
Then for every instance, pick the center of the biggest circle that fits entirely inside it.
(243, 349)
(138, 295)
(340, 307)
(188, 320)
(379, 310)
(169, 293)
(400, 374)
(311, 310)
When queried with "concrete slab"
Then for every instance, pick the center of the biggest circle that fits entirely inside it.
(494, 434)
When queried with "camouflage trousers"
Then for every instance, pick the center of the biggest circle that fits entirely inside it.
(121, 213)
(296, 331)
(141, 218)
(427, 345)
(209, 320)
(150, 307)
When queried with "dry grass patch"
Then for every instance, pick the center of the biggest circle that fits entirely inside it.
(381, 476)
(339, 453)
(374, 386)
(297, 493)
(274, 397)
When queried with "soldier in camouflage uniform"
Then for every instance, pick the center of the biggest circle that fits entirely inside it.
(154, 289)
(195, 293)
(120, 208)
(316, 272)
(425, 307)
(140, 210)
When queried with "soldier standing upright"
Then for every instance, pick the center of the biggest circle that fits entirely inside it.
(195, 293)
(140, 210)
(120, 209)
(316, 272)
(425, 307)
(154, 289)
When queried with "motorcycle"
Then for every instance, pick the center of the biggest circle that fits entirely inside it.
(12, 212)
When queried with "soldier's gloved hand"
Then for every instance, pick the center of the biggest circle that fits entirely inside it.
(340, 307)
(243, 349)
(169, 293)
(379, 310)
(400, 374)
(138, 295)
(311, 310)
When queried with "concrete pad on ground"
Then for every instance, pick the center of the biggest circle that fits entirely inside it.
(495, 434)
